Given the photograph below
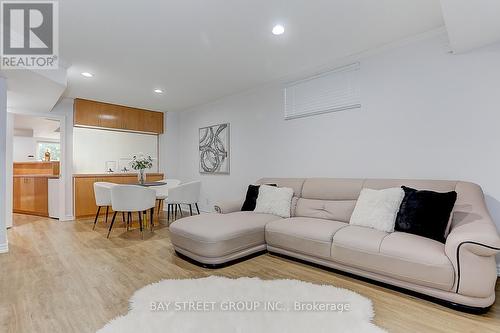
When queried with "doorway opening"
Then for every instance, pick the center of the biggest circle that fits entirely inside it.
(37, 155)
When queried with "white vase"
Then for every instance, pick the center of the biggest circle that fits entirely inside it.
(141, 176)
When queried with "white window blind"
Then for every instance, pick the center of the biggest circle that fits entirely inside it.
(332, 91)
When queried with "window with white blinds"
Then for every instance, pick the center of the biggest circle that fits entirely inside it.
(332, 91)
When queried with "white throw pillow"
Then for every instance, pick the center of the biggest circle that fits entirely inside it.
(378, 209)
(274, 200)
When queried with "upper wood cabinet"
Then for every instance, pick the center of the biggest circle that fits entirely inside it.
(98, 114)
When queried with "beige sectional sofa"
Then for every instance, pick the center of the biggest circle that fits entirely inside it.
(461, 272)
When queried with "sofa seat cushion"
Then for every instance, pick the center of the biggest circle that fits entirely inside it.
(400, 255)
(215, 235)
(357, 237)
(303, 234)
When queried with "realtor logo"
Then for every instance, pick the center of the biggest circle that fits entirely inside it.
(29, 34)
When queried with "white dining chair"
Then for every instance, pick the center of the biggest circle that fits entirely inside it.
(102, 194)
(162, 191)
(129, 199)
(184, 194)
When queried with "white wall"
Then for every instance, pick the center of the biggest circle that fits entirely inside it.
(4, 214)
(9, 181)
(23, 147)
(64, 110)
(425, 114)
(94, 147)
(168, 148)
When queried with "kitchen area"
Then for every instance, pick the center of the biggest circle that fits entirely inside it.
(106, 137)
(103, 138)
(36, 166)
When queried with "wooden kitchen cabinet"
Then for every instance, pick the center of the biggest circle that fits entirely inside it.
(36, 168)
(30, 195)
(84, 196)
(84, 190)
(111, 116)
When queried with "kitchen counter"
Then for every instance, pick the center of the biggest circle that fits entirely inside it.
(31, 194)
(37, 176)
(32, 168)
(83, 185)
(35, 188)
(115, 174)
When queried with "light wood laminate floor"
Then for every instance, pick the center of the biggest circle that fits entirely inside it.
(64, 277)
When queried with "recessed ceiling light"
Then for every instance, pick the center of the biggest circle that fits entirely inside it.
(158, 91)
(87, 74)
(278, 29)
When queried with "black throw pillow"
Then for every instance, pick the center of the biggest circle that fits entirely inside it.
(251, 198)
(425, 213)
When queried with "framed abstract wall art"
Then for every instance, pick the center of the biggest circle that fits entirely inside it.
(214, 149)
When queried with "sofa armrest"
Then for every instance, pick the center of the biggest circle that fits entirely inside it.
(226, 207)
(471, 248)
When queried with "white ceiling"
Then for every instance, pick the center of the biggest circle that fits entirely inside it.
(33, 91)
(199, 50)
(471, 24)
(40, 127)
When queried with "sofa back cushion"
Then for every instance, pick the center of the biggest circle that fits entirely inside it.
(332, 188)
(418, 184)
(335, 210)
(335, 198)
(294, 183)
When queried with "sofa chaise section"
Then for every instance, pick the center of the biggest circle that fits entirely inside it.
(214, 239)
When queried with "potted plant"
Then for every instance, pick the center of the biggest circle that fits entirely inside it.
(140, 163)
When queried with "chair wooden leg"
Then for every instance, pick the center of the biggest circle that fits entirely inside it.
(180, 210)
(168, 213)
(107, 212)
(175, 208)
(152, 219)
(123, 218)
(96, 216)
(140, 224)
(197, 209)
(111, 225)
(160, 204)
(190, 209)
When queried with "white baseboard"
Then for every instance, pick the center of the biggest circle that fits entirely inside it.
(4, 248)
(67, 218)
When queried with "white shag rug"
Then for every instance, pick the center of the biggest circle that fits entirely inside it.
(218, 304)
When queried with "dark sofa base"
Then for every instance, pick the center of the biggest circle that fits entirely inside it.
(218, 266)
(451, 305)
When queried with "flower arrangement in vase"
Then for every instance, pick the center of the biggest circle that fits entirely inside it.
(140, 163)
